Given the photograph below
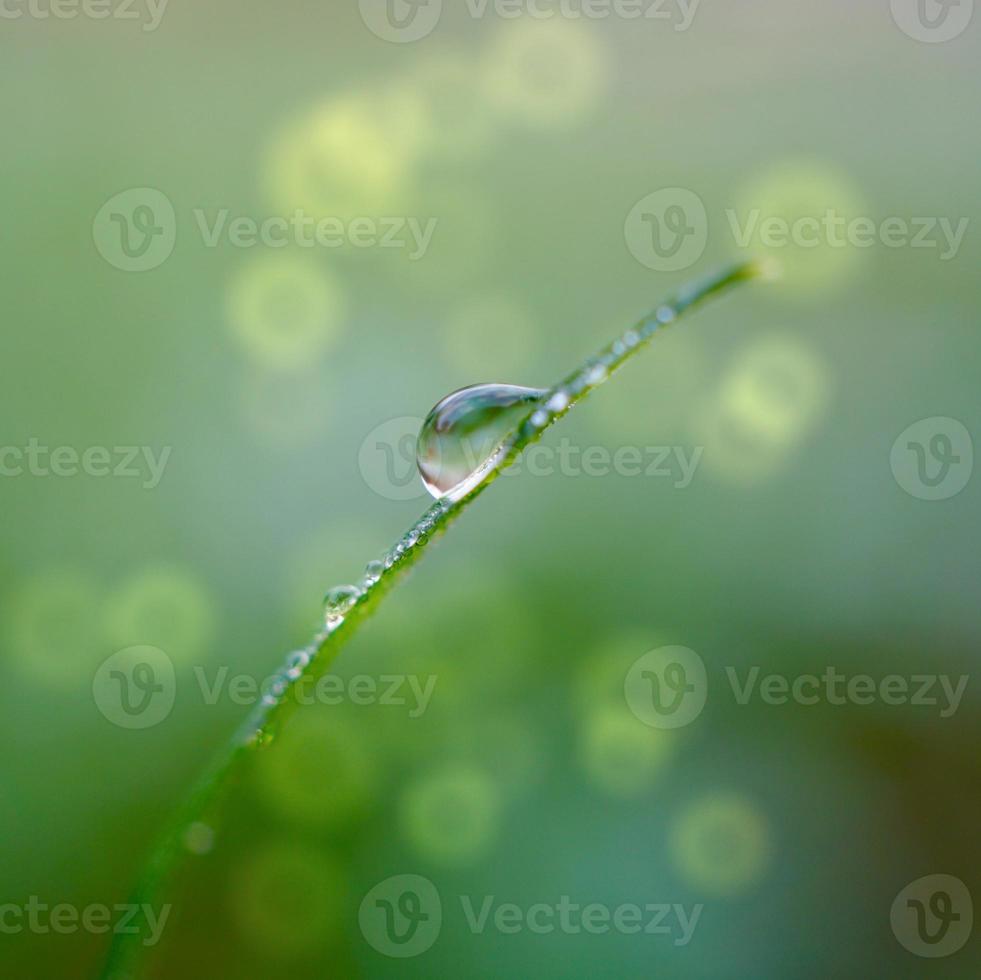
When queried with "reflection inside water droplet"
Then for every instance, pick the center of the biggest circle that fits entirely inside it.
(463, 436)
(338, 603)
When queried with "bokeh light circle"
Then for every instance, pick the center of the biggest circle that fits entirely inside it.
(722, 844)
(284, 311)
(451, 815)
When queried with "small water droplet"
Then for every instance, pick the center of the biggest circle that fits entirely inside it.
(338, 603)
(373, 572)
(559, 402)
(596, 374)
(263, 737)
(296, 663)
(463, 436)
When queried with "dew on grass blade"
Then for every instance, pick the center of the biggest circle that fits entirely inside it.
(372, 573)
(469, 823)
(338, 603)
(464, 436)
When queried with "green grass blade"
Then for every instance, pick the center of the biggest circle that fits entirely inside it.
(314, 661)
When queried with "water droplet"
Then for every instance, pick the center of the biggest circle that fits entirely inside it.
(373, 572)
(596, 374)
(559, 402)
(463, 437)
(338, 603)
(263, 736)
(296, 663)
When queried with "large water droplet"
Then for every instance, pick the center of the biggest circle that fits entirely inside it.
(462, 438)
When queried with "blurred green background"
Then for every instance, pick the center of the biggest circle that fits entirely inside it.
(797, 545)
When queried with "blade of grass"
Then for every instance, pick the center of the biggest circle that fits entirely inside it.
(313, 662)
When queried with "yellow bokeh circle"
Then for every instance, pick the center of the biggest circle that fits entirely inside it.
(546, 72)
(722, 844)
(284, 310)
